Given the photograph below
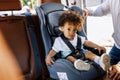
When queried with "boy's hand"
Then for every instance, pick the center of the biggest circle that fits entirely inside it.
(101, 49)
(49, 61)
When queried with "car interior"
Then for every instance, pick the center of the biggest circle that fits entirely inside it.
(16, 40)
(28, 38)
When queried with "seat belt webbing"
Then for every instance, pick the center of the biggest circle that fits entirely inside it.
(34, 42)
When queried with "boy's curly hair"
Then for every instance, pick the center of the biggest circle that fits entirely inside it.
(72, 17)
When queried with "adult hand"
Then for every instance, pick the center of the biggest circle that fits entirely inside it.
(114, 72)
(85, 12)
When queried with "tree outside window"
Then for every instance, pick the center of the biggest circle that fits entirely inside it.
(32, 4)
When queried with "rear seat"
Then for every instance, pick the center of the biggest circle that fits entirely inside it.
(16, 38)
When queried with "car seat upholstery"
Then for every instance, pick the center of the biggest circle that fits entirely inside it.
(48, 14)
(15, 36)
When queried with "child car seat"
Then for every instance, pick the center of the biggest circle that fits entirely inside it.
(48, 14)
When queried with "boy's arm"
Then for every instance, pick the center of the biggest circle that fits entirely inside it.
(93, 45)
(52, 53)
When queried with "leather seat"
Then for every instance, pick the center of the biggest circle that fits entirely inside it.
(16, 41)
(6, 5)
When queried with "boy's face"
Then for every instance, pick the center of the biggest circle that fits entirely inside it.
(69, 30)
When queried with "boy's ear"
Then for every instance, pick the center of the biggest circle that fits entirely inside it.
(61, 28)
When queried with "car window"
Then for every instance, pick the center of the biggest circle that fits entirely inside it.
(29, 5)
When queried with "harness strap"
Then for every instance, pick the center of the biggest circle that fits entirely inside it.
(71, 47)
(67, 42)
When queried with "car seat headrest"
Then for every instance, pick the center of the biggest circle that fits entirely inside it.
(9, 5)
(53, 26)
(53, 14)
(49, 7)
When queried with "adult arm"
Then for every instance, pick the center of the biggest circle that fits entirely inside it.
(99, 10)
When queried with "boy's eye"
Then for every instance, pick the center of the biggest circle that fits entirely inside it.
(75, 30)
(68, 29)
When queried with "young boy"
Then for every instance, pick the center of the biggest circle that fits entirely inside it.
(70, 22)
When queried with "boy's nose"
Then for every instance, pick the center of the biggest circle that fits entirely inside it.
(72, 32)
